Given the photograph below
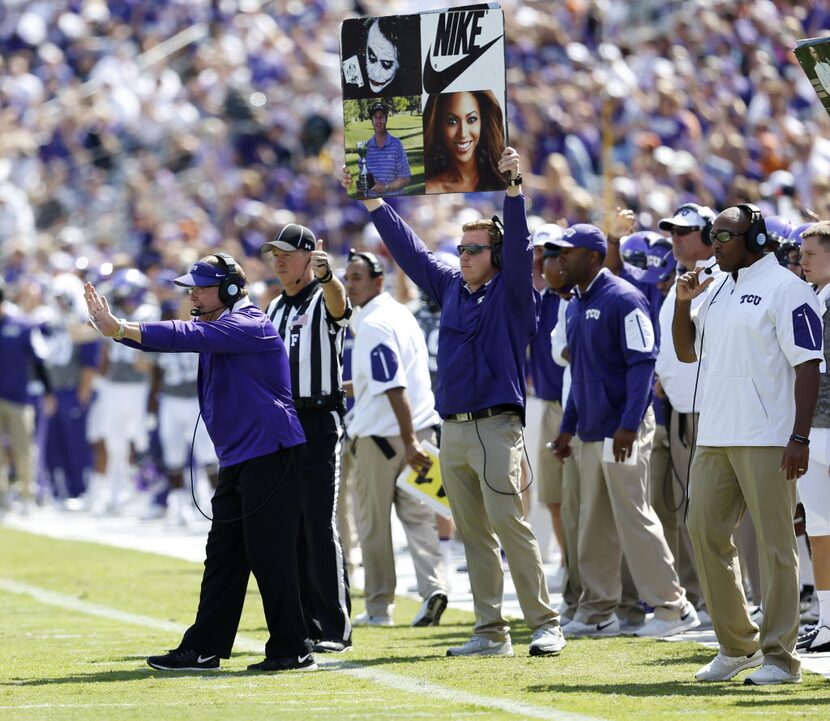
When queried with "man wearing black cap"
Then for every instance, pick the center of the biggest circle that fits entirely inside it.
(245, 401)
(311, 316)
(386, 159)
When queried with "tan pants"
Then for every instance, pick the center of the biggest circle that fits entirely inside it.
(616, 518)
(481, 469)
(346, 525)
(726, 482)
(375, 494)
(17, 421)
(572, 587)
(549, 469)
(668, 490)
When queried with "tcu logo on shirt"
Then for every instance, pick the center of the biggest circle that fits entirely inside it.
(750, 298)
(592, 314)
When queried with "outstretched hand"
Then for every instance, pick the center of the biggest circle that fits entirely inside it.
(100, 316)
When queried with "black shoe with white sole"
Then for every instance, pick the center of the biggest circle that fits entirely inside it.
(184, 659)
(305, 662)
(431, 610)
(817, 640)
(332, 646)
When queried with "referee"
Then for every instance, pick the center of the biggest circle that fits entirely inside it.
(311, 316)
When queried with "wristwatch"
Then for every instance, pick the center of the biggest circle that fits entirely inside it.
(515, 181)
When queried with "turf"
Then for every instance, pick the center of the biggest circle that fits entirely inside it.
(62, 664)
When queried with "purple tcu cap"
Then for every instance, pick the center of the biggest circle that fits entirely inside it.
(583, 235)
(201, 275)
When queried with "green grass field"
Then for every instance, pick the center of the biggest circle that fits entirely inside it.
(407, 128)
(70, 650)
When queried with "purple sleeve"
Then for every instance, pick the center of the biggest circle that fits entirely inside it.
(569, 417)
(639, 379)
(517, 253)
(89, 353)
(231, 334)
(409, 252)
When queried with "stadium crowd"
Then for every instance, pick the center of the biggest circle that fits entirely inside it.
(136, 137)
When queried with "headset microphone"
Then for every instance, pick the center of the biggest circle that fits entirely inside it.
(196, 312)
(708, 268)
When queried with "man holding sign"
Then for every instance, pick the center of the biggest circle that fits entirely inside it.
(394, 412)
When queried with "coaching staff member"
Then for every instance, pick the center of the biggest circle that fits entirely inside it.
(245, 400)
(488, 316)
(760, 340)
(311, 316)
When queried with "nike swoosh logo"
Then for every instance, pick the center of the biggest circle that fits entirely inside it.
(437, 82)
(205, 659)
(303, 659)
(603, 626)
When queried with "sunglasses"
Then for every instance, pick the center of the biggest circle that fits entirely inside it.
(471, 248)
(724, 236)
(680, 232)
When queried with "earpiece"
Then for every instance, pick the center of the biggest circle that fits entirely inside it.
(756, 234)
(231, 286)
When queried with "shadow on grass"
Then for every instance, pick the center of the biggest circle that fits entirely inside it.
(115, 676)
(782, 695)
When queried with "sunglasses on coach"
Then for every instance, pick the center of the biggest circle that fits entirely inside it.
(682, 231)
(471, 248)
(724, 236)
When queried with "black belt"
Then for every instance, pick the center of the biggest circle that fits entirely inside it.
(484, 413)
(333, 402)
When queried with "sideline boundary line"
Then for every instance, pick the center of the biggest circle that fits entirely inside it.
(382, 678)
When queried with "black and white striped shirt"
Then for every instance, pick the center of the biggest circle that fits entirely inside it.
(314, 340)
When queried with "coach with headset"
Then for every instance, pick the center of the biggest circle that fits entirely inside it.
(759, 336)
(488, 316)
(245, 401)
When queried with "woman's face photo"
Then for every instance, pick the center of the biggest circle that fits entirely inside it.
(462, 126)
(382, 60)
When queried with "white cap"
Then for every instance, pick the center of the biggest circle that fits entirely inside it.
(546, 233)
(690, 215)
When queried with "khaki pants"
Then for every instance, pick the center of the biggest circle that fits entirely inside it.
(668, 489)
(616, 518)
(375, 493)
(345, 507)
(17, 421)
(727, 482)
(548, 468)
(572, 587)
(481, 470)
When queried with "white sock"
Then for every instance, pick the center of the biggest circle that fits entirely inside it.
(805, 565)
(823, 607)
(445, 545)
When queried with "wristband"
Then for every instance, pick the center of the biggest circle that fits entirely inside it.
(327, 277)
(515, 181)
(803, 440)
(122, 328)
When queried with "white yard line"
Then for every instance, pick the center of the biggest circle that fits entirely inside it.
(375, 675)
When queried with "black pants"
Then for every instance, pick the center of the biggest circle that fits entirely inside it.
(255, 529)
(324, 583)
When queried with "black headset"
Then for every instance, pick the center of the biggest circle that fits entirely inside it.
(375, 266)
(706, 230)
(231, 286)
(756, 234)
(496, 233)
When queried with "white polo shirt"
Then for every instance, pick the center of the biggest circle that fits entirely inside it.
(389, 351)
(676, 377)
(755, 330)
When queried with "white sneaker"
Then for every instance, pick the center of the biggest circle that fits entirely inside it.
(815, 640)
(662, 628)
(769, 674)
(722, 667)
(431, 610)
(547, 641)
(480, 646)
(607, 628)
(364, 619)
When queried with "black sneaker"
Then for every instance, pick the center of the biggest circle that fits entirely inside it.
(335, 646)
(431, 610)
(184, 659)
(817, 640)
(286, 663)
